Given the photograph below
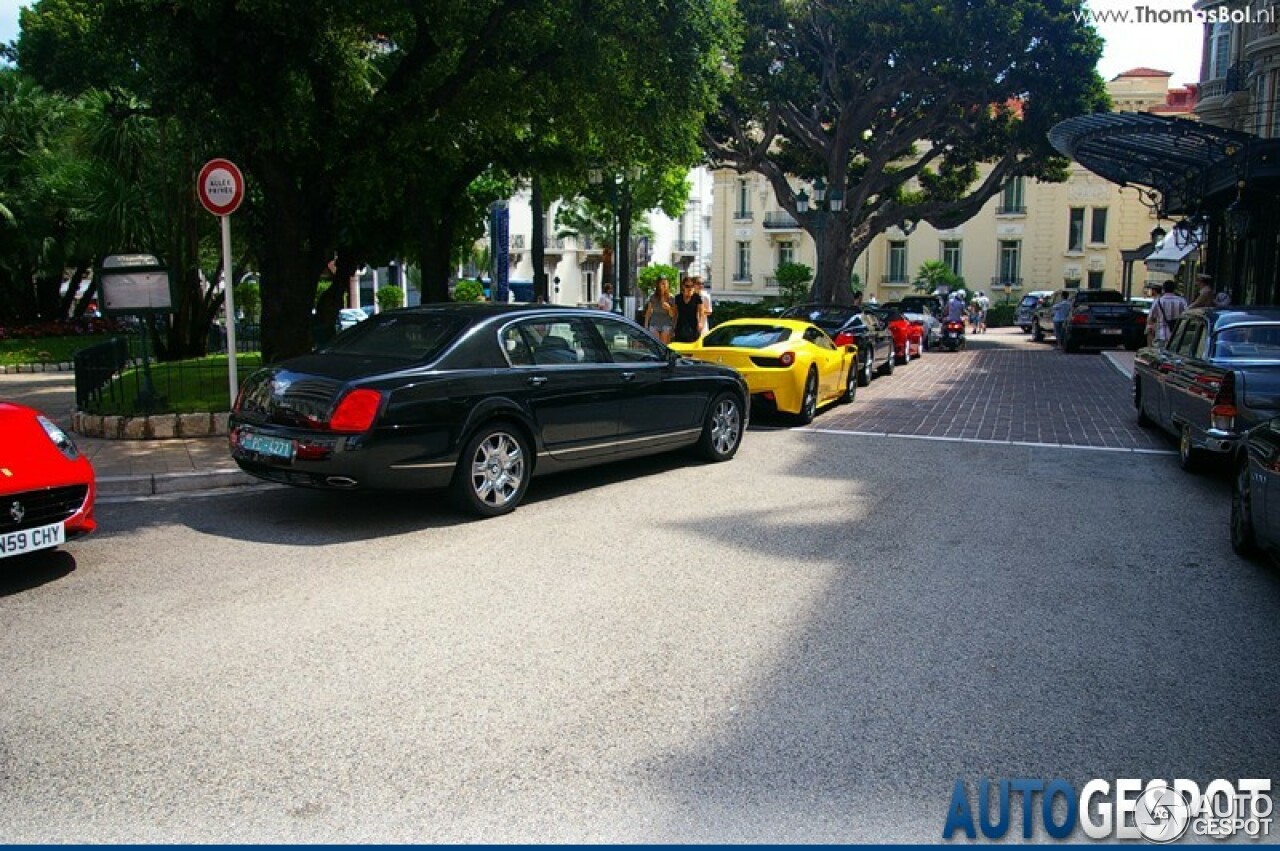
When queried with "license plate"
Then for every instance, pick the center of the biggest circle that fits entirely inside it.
(30, 540)
(1112, 330)
(276, 447)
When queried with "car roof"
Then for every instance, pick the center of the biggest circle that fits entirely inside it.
(793, 324)
(1224, 317)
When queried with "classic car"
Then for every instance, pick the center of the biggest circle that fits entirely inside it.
(1216, 377)
(1099, 319)
(478, 398)
(46, 486)
(907, 336)
(1255, 494)
(789, 365)
(845, 325)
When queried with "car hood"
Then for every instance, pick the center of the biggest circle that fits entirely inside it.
(31, 460)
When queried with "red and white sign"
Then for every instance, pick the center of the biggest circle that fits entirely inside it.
(221, 187)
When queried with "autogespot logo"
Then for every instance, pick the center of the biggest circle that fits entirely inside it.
(1158, 811)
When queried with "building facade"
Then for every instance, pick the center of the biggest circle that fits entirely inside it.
(1031, 236)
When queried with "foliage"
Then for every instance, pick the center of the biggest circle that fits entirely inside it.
(188, 386)
(793, 282)
(391, 297)
(1001, 315)
(468, 290)
(248, 299)
(896, 103)
(647, 280)
(18, 349)
(726, 310)
(933, 274)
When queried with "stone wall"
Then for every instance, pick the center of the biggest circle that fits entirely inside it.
(154, 427)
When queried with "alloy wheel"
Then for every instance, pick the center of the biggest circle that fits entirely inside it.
(726, 426)
(497, 470)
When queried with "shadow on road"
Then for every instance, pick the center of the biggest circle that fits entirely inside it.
(25, 572)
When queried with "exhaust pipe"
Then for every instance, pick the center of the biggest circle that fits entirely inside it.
(340, 482)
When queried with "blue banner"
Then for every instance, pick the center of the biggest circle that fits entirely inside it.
(499, 250)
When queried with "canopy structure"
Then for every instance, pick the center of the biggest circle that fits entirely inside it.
(1183, 160)
(1172, 250)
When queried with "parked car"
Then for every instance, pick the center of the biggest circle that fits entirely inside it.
(478, 398)
(907, 336)
(1024, 313)
(922, 304)
(789, 365)
(845, 325)
(919, 313)
(350, 316)
(1218, 376)
(1255, 516)
(46, 485)
(1099, 319)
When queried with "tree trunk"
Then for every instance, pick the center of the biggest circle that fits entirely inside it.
(626, 257)
(541, 292)
(835, 251)
(292, 262)
(69, 297)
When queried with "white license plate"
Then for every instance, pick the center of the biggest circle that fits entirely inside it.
(1112, 330)
(30, 540)
(276, 447)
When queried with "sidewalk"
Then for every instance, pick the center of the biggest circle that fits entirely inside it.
(129, 467)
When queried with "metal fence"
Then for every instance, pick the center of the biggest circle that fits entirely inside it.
(115, 378)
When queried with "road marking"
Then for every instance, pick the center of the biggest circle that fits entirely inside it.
(1026, 443)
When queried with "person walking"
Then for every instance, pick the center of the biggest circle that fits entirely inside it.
(1164, 312)
(689, 310)
(1061, 312)
(660, 313)
(605, 302)
(705, 324)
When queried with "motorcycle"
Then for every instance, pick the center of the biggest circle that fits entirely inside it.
(953, 335)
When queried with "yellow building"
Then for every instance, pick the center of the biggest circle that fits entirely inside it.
(1031, 236)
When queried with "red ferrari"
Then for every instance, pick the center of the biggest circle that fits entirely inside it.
(908, 337)
(46, 485)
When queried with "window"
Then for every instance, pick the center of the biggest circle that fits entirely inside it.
(1075, 230)
(1012, 199)
(743, 209)
(897, 262)
(543, 342)
(1273, 95)
(1010, 262)
(1095, 279)
(1098, 227)
(951, 255)
(743, 269)
(819, 339)
(786, 252)
(628, 344)
(1219, 50)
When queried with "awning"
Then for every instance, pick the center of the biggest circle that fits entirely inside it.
(1170, 253)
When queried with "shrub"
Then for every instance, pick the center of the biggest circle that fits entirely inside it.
(647, 280)
(467, 290)
(389, 298)
(726, 310)
(248, 299)
(1000, 315)
(793, 282)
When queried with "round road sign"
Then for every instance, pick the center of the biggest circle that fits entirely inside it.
(221, 187)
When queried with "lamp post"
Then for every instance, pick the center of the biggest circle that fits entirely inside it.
(824, 203)
(619, 199)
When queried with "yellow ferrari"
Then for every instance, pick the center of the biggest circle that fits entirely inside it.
(789, 364)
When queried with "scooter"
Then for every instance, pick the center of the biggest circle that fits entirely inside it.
(953, 335)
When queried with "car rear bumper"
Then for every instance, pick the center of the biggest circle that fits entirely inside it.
(1104, 338)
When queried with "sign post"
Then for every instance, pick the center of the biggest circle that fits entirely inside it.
(221, 189)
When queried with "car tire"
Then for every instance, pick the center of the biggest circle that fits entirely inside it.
(1244, 538)
(887, 368)
(867, 371)
(1144, 421)
(1189, 458)
(493, 471)
(1037, 333)
(809, 401)
(851, 384)
(722, 432)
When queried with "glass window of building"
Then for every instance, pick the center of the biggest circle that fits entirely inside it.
(1219, 50)
(1098, 227)
(786, 252)
(1010, 262)
(951, 255)
(1095, 279)
(897, 272)
(1273, 91)
(1075, 230)
(742, 272)
(1012, 199)
(743, 210)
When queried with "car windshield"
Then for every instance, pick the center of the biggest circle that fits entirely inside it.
(1029, 301)
(1248, 342)
(755, 336)
(406, 337)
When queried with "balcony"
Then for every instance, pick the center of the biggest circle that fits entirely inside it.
(1212, 89)
(553, 245)
(684, 248)
(742, 215)
(999, 282)
(1011, 210)
(780, 220)
(517, 242)
(894, 280)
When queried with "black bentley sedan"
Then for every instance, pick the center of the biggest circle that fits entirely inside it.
(478, 398)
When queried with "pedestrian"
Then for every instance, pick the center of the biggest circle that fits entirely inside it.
(702, 293)
(1061, 311)
(1204, 292)
(1164, 312)
(605, 302)
(659, 312)
(689, 308)
(975, 308)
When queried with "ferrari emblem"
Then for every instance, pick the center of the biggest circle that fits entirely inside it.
(17, 512)
(8, 474)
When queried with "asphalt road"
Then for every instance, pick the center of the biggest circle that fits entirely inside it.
(811, 642)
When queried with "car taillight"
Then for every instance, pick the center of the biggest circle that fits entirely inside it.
(356, 412)
(844, 338)
(1223, 412)
(1079, 318)
(787, 358)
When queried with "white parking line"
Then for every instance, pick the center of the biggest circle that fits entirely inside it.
(986, 441)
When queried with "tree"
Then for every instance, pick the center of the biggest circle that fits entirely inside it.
(933, 275)
(793, 282)
(894, 104)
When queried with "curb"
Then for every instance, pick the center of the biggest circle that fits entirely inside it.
(27, 368)
(1110, 358)
(155, 484)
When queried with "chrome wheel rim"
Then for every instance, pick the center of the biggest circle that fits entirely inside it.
(497, 469)
(1241, 509)
(726, 426)
(810, 395)
(1184, 443)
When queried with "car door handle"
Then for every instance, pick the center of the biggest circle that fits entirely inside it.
(627, 376)
(537, 380)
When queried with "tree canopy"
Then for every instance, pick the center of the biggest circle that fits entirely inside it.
(895, 104)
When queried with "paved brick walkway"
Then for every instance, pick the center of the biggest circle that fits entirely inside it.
(1003, 388)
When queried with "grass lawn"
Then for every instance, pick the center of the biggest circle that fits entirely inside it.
(47, 349)
(188, 386)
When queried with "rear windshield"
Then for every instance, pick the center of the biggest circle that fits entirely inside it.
(1248, 342)
(408, 337)
(746, 336)
(1029, 300)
